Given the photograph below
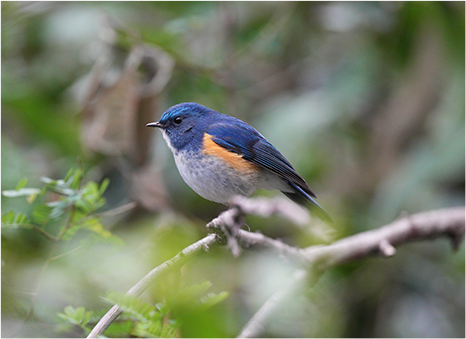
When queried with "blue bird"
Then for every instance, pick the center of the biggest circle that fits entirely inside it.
(220, 156)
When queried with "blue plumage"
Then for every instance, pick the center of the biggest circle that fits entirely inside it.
(185, 127)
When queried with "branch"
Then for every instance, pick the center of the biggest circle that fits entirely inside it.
(267, 207)
(256, 239)
(448, 223)
(177, 261)
(230, 222)
(37, 229)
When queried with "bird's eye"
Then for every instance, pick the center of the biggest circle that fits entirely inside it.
(177, 120)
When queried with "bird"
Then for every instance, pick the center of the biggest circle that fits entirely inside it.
(220, 156)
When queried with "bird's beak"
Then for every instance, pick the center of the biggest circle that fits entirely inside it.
(155, 124)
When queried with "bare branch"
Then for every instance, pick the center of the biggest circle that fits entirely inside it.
(448, 223)
(382, 241)
(227, 224)
(249, 239)
(230, 222)
(267, 207)
(386, 248)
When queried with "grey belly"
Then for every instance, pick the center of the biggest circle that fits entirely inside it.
(214, 180)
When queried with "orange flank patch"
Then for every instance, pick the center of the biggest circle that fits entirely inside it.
(233, 159)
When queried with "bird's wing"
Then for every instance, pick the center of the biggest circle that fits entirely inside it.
(243, 139)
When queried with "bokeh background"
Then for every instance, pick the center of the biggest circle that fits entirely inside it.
(366, 100)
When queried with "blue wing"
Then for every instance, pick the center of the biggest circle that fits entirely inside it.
(243, 139)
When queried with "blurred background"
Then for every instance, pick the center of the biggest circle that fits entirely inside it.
(366, 100)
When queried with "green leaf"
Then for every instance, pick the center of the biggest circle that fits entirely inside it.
(4, 218)
(71, 232)
(69, 174)
(49, 181)
(59, 186)
(11, 217)
(58, 208)
(91, 198)
(104, 185)
(148, 320)
(30, 199)
(135, 306)
(76, 179)
(95, 226)
(41, 214)
(91, 193)
(21, 219)
(120, 329)
(212, 299)
(21, 192)
(191, 292)
(13, 220)
(162, 308)
(77, 316)
(21, 183)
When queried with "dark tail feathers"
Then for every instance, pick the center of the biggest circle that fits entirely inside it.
(302, 198)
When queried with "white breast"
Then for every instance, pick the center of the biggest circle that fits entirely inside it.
(212, 179)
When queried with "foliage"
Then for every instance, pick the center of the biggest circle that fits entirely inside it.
(141, 319)
(64, 197)
(76, 316)
(75, 206)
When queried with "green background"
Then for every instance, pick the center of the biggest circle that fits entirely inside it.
(365, 99)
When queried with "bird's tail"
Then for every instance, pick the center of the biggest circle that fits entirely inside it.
(302, 198)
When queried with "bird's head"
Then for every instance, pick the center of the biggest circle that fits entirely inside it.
(183, 125)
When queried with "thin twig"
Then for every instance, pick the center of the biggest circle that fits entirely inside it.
(35, 228)
(177, 261)
(117, 210)
(68, 225)
(66, 253)
(256, 325)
